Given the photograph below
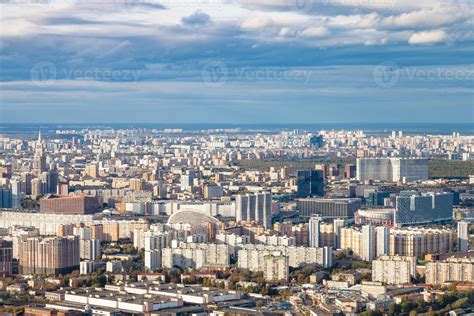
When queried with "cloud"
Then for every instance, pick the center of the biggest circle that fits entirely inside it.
(197, 18)
(314, 31)
(256, 22)
(429, 37)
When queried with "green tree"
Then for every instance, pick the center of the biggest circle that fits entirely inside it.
(394, 309)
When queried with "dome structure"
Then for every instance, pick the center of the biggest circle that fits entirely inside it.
(191, 217)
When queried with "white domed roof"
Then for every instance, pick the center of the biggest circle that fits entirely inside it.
(192, 217)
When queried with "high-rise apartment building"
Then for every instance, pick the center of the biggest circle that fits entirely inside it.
(450, 270)
(314, 230)
(192, 255)
(338, 224)
(276, 267)
(254, 207)
(463, 236)
(393, 269)
(368, 243)
(252, 257)
(49, 255)
(6, 257)
(417, 242)
(89, 249)
(383, 240)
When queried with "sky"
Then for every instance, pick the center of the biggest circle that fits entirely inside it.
(236, 61)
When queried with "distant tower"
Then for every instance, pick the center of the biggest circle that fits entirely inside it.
(368, 242)
(463, 236)
(383, 240)
(39, 161)
(314, 230)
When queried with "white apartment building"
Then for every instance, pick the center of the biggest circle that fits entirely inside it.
(276, 267)
(194, 256)
(252, 257)
(393, 269)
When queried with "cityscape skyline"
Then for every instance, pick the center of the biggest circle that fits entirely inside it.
(236, 157)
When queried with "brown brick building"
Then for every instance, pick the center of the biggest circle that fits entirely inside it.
(59, 204)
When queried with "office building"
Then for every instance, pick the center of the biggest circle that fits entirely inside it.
(309, 183)
(392, 169)
(377, 198)
(414, 208)
(213, 191)
(6, 198)
(56, 204)
(328, 208)
(15, 186)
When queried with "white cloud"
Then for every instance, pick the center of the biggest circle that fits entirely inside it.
(256, 22)
(429, 37)
(314, 31)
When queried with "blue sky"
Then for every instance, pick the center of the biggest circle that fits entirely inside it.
(249, 61)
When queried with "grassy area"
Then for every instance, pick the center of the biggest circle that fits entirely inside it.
(441, 168)
(437, 168)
